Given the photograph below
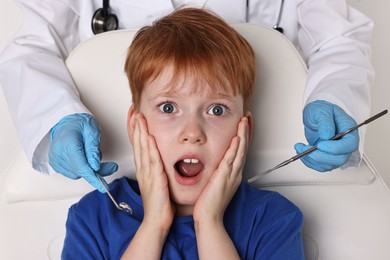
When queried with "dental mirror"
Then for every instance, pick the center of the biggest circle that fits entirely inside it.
(123, 206)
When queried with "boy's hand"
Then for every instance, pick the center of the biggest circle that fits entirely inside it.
(152, 179)
(224, 182)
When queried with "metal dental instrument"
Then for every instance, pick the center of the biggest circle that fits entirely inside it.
(124, 207)
(296, 157)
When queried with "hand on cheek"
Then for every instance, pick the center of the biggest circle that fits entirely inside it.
(152, 179)
(224, 182)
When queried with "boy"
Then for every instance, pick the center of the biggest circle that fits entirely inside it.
(191, 76)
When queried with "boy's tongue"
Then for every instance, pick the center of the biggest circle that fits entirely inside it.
(189, 169)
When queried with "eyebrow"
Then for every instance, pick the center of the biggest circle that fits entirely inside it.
(175, 94)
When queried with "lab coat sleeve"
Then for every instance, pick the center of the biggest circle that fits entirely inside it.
(37, 85)
(335, 40)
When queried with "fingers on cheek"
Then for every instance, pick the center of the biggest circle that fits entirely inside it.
(145, 156)
(230, 154)
(141, 148)
(231, 163)
(240, 157)
(243, 135)
(243, 129)
(136, 146)
(155, 160)
(242, 145)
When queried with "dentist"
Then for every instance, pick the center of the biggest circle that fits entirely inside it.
(59, 134)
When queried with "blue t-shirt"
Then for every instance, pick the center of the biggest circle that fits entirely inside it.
(262, 225)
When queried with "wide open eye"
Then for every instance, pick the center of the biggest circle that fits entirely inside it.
(217, 110)
(167, 108)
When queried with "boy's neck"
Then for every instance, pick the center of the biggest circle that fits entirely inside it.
(184, 210)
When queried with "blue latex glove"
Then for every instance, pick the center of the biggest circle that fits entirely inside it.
(75, 149)
(322, 121)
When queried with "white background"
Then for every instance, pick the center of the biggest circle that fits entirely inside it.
(378, 133)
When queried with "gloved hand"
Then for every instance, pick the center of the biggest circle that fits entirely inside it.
(322, 121)
(75, 149)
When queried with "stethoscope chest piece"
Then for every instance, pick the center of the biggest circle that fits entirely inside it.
(278, 28)
(103, 21)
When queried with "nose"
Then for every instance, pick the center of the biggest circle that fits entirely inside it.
(192, 132)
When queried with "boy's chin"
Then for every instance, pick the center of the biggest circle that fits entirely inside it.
(186, 202)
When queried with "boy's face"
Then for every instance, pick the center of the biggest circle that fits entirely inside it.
(192, 132)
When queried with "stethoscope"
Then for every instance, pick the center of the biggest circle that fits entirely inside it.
(277, 25)
(103, 20)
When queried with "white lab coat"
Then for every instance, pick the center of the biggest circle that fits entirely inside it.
(332, 37)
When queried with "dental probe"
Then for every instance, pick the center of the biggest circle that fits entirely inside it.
(336, 137)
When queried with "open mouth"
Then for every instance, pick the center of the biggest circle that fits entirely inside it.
(189, 167)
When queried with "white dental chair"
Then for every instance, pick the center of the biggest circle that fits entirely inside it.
(347, 213)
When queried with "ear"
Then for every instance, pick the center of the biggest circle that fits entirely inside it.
(131, 122)
(248, 115)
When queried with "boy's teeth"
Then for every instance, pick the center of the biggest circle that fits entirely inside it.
(191, 160)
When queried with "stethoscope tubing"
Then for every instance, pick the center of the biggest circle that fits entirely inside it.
(106, 6)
